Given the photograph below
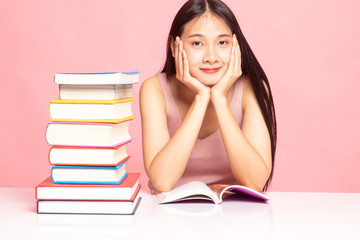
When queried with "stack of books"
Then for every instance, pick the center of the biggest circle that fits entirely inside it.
(89, 132)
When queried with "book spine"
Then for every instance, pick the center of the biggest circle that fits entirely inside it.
(91, 146)
(115, 147)
(93, 182)
(88, 121)
(92, 164)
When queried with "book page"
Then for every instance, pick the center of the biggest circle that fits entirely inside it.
(188, 191)
(220, 189)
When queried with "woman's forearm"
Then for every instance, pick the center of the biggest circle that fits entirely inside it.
(247, 165)
(169, 164)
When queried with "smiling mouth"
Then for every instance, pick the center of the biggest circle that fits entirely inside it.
(210, 70)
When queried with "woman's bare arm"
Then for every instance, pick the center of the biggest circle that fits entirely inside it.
(166, 157)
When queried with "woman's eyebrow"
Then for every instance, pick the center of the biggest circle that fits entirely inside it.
(201, 35)
(195, 35)
(224, 35)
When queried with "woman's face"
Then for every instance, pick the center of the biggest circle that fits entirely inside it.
(207, 42)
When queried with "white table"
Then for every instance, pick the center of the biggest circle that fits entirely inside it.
(287, 216)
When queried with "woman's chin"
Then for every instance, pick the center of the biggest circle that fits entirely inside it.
(210, 79)
(209, 82)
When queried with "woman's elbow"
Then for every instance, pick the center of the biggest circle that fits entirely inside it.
(162, 186)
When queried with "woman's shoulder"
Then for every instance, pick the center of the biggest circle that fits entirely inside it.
(151, 84)
(151, 81)
(155, 84)
(151, 90)
(249, 95)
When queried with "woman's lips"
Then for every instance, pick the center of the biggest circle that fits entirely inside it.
(210, 70)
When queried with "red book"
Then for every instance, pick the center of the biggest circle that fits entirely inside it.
(125, 191)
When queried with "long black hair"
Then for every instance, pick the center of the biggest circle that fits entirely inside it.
(249, 64)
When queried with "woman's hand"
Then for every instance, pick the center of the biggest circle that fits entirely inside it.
(182, 70)
(231, 75)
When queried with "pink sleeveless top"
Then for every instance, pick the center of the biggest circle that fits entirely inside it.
(208, 162)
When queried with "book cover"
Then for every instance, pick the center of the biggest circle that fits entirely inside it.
(84, 156)
(88, 174)
(91, 110)
(97, 78)
(87, 134)
(95, 92)
(88, 207)
(125, 191)
(196, 190)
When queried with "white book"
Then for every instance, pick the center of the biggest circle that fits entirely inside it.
(88, 207)
(89, 174)
(95, 92)
(87, 156)
(90, 110)
(125, 191)
(88, 134)
(196, 190)
(97, 78)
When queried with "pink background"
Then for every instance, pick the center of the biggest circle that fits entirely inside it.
(309, 50)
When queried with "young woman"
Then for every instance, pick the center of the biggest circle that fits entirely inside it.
(209, 115)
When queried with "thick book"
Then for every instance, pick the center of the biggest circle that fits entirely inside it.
(91, 110)
(125, 191)
(88, 207)
(84, 156)
(87, 134)
(89, 174)
(196, 190)
(97, 78)
(95, 92)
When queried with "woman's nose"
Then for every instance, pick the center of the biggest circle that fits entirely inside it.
(210, 55)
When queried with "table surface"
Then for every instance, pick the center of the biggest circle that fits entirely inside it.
(288, 215)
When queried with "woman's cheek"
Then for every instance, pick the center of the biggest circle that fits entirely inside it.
(194, 57)
(225, 56)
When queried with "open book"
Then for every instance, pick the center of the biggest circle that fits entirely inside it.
(200, 191)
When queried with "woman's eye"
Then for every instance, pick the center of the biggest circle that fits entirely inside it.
(197, 43)
(223, 43)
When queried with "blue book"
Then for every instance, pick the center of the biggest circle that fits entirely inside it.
(89, 174)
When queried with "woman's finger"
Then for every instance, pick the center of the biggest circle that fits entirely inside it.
(238, 52)
(176, 56)
(186, 65)
(236, 55)
(181, 59)
(230, 69)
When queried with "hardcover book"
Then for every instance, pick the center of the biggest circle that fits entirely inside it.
(97, 78)
(95, 92)
(88, 207)
(91, 110)
(88, 134)
(84, 156)
(126, 190)
(88, 174)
